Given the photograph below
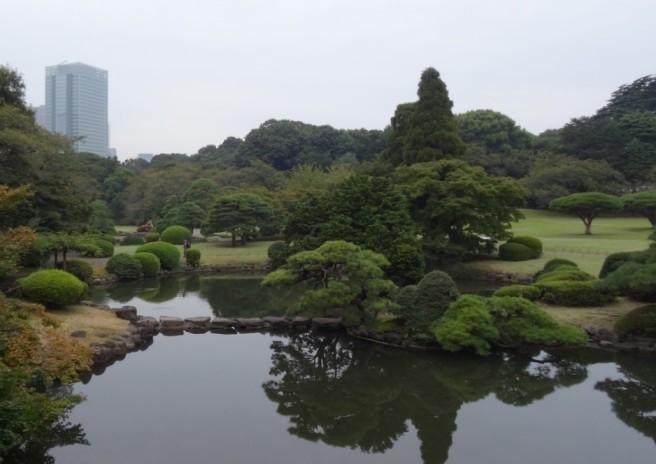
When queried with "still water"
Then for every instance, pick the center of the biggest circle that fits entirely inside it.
(303, 398)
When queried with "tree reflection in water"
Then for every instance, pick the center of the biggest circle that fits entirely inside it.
(363, 397)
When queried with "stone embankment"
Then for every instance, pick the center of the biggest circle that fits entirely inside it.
(142, 329)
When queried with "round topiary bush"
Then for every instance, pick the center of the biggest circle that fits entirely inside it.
(529, 292)
(614, 260)
(132, 239)
(150, 237)
(176, 235)
(635, 280)
(150, 264)
(554, 263)
(535, 244)
(53, 287)
(169, 255)
(641, 322)
(405, 298)
(192, 257)
(565, 273)
(278, 253)
(575, 293)
(80, 269)
(124, 266)
(511, 251)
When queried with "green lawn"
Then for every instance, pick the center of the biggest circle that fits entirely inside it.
(563, 237)
(221, 252)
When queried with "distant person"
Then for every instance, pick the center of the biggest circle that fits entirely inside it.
(186, 245)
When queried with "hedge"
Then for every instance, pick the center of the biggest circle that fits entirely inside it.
(192, 257)
(511, 251)
(124, 266)
(150, 264)
(530, 292)
(80, 269)
(150, 237)
(641, 322)
(169, 255)
(52, 287)
(535, 244)
(575, 293)
(176, 235)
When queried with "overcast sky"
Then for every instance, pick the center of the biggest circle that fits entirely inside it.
(184, 74)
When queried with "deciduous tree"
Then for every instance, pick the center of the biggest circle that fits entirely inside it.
(240, 214)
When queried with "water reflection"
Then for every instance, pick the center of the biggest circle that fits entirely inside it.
(362, 397)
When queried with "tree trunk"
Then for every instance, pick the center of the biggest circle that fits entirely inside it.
(234, 239)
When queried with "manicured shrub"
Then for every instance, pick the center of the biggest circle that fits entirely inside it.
(641, 322)
(150, 237)
(614, 260)
(530, 292)
(565, 272)
(635, 280)
(278, 253)
(554, 263)
(535, 244)
(150, 264)
(511, 251)
(176, 235)
(133, 239)
(53, 287)
(192, 257)
(106, 237)
(405, 298)
(106, 248)
(477, 324)
(575, 293)
(80, 269)
(169, 255)
(33, 256)
(124, 266)
(435, 292)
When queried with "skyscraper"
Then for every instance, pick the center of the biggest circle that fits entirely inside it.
(76, 106)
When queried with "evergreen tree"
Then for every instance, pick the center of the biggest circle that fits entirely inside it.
(425, 130)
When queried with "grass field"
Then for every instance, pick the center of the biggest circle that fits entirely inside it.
(563, 237)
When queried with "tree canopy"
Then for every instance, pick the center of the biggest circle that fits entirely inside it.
(459, 207)
(342, 275)
(642, 203)
(240, 214)
(425, 130)
(586, 206)
(494, 131)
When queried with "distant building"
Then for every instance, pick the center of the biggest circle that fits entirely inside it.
(76, 106)
(40, 115)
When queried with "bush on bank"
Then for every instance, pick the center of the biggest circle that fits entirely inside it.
(52, 287)
(168, 254)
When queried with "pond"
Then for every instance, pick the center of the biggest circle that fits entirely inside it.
(306, 398)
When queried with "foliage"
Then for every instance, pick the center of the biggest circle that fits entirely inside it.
(52, 287)
(100, 220)
(31, 359)
(433, 295)
(586, 206)
(15, 243)
(576, 292)
(192, 257)
(476, 323)
(150, 264)
(643, 204)
(615, 260)
(79, 268)
(555, 176)
(368, 211)
(512, 251)
(134, 239)
(150, 237)
(556, 262)
(176, 235)
(240, 214)
(641, 322)
(425, 130)
(405, 299)
(285, 144)
(460, 205)
(278, 253)
(342, 275)
(565, 273)
(633, 279)
(12, 88)
(201, 192)
(106, 249)
(535, 244)
(529, 292)
(124, 266)
(494, 131)
(169, 255)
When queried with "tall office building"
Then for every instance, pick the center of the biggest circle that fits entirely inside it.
(76, 106)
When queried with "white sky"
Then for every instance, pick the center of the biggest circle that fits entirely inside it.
(187, 73)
